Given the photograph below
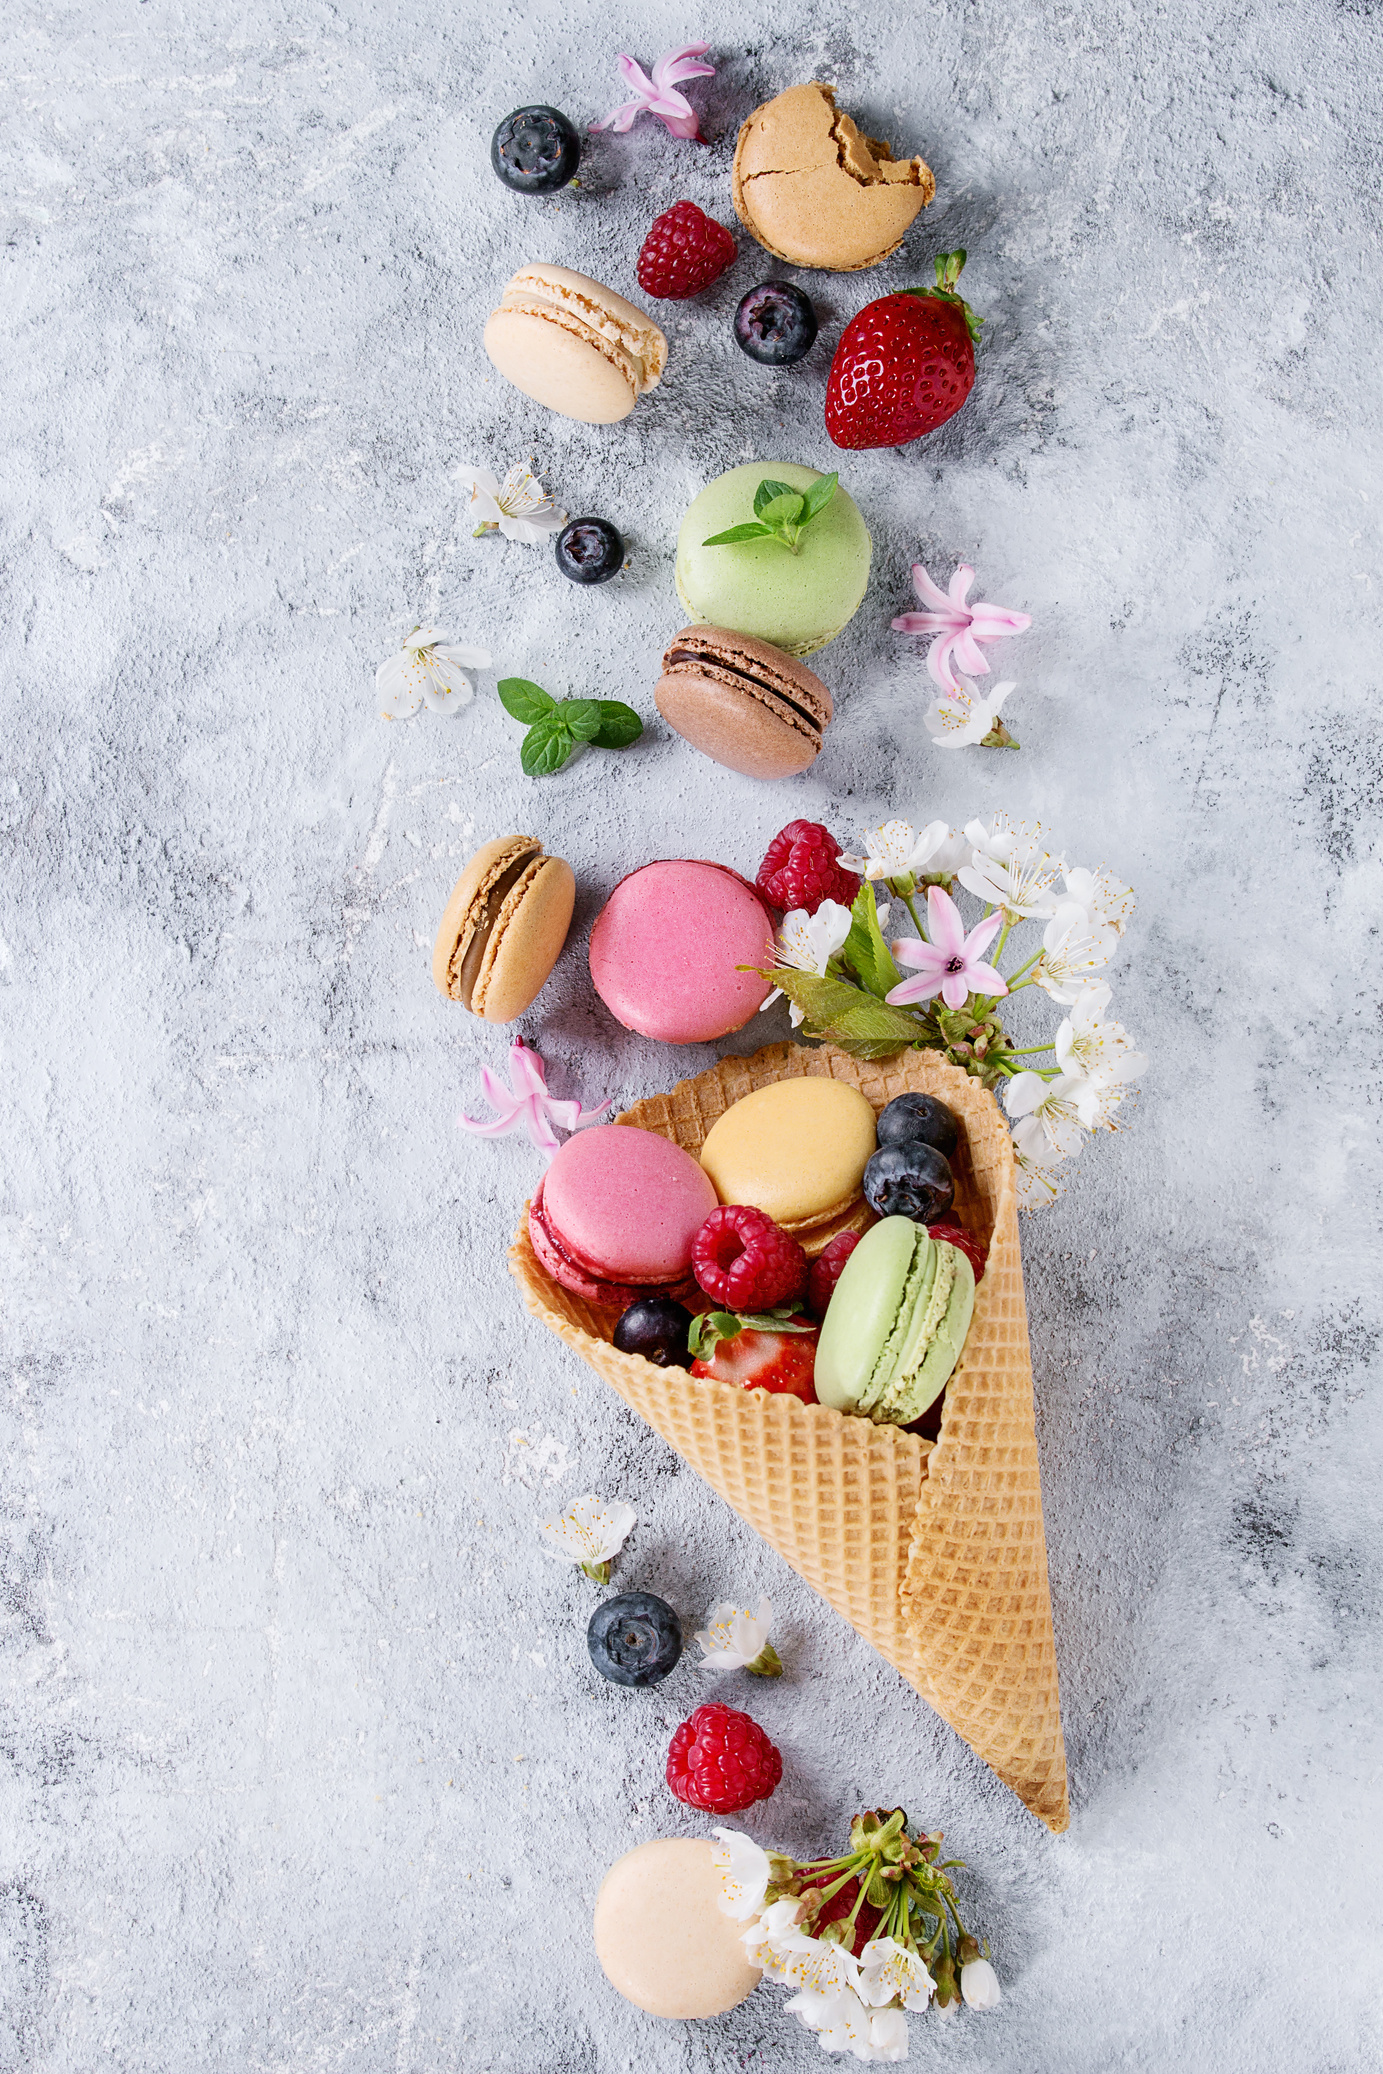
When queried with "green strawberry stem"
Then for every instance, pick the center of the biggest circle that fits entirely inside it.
(948, 269)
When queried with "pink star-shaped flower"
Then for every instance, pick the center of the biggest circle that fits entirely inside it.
(950, 964)
(527, 1103)
(959, 628)
(658, 95)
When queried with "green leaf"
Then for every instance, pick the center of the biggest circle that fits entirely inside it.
(751, 531)
(619, 725)
(769, 492)
(819, 496)
(581, 718)
(713, 1326)
(546, 747)
(782, 511)
(865, 950)
(527, 702)
(857, 1022)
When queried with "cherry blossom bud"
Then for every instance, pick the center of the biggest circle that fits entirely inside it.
(979, 1984)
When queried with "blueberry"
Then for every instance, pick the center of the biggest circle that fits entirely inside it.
(589, 550)
(535, 150)
(919, 1116)
(634, 1639)
(657, 1329)
(910, 1180)
(775, 324)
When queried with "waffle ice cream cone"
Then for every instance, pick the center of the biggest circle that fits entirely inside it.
(934, 1553)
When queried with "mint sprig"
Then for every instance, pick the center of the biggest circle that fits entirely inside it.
(711, 1327)
(557, 727)
(780, 513)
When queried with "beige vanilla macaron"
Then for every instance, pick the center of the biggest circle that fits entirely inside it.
(504, 928)
(796, 1149)
(816, 192)
(662, 1937)
(574, 345)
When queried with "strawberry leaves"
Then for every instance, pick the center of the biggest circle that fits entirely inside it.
(948, 266)
(780, 513)
(558, 727)
(711, 1327)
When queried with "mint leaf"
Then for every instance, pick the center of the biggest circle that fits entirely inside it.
(772, 492)
(581, 718)
(619, 725)
(752, 531)
(546, 747)
(527, 702)
(708, 1329)
(818, 497)
(865, 950)
(857, 1022)
(782, 511)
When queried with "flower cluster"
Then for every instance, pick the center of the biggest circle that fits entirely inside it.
(861, 1938)
(847, 984)
(958, 713)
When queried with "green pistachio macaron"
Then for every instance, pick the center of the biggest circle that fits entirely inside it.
(799, 601)
(896, 1324)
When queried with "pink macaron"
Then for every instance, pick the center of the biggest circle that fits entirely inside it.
(666, 945)
(616, 1213)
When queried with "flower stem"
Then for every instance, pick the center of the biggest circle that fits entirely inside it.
(1022, 968)
(1029, 1051)
(907, 902)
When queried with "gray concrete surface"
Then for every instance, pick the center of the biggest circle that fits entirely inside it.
(303, 1764)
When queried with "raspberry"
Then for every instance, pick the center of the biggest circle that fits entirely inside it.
(826, 1270)
(684, 252)
(800, 869)
(721, 1761)
(839, 1906)
(969, 1245)
(746, 1262)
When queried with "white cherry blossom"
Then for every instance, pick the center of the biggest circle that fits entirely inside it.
(734, 1639)
(959, 716)
(979, 1984)
(519, 507)
(588, 1532)
(890, 1972)
(1037, 1186)
(1011, 867)
(807, 943)
(1048, 1128)
(743, 1868)
(1097, 1060)
(843, 2024)
(1104, 898)
(429, 670)
(897, 850)
(1074, 945)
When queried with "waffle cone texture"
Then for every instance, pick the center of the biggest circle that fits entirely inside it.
(933, 1552)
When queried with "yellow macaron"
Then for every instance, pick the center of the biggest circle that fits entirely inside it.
(796, 1149)
(503, 928)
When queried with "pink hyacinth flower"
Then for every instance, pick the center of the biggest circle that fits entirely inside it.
(527, 1104)
(950, 964)
(658, 95)
(959, 628)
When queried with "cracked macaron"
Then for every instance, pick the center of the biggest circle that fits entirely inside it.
(744, 703)
(574, 345)
(504, 928)
(815, 191)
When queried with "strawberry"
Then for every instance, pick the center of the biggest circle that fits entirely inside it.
(751, 1353)
(904, 365)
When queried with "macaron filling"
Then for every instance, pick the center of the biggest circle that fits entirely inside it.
(763, 687)
(473, 957)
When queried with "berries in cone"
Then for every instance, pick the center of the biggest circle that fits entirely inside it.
(746, 1262)
(904, 365)
(827, 1270)
(801, 870)
(684, 252)
(721, 1761)
(754, 1358)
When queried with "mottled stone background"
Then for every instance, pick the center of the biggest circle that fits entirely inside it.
(304, 1766)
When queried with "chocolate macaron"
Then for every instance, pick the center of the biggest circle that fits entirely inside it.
(504, 928)
(743, 702)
